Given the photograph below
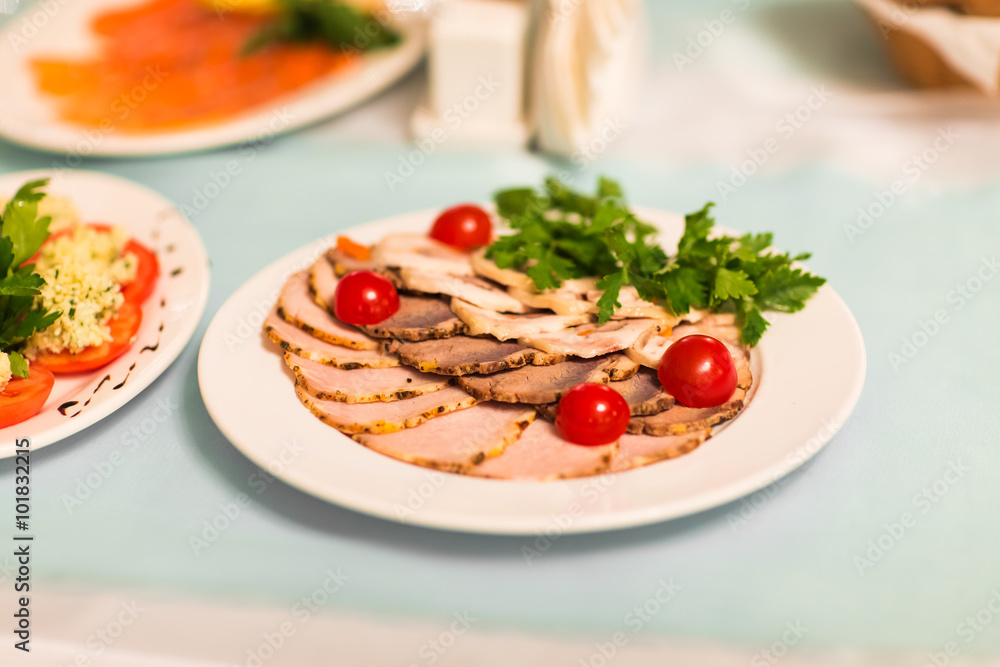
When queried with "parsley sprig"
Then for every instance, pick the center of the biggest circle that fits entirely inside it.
(560, 234)
(22, 233)
(336, 24)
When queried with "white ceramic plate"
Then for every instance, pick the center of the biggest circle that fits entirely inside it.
(169, 317)
(809, 370)
(28, 118)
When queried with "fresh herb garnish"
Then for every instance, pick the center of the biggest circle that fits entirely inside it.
(337, 24)
(560, 234)
(22, 233)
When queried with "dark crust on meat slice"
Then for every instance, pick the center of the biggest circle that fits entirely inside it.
(681, 419)
(344, 264)
(344, 397)
(546, 384)
(642, 392)
(308, 400)
(306, 354)
(483, 355)
(418, 318)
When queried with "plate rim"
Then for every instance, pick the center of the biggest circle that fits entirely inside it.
(431, 517)
(163, 360)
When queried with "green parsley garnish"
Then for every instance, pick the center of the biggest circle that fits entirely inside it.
(339, 25)
(22, 233)
(560, 234)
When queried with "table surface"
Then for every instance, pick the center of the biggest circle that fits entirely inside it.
(922, 441)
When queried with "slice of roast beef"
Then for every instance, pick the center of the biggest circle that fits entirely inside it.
(297, 305)
(475, 290)
(506, 327)
(419, 251)
(292, 339)
(643, 393)
(385, 417)
(366, 385)
(592, 340)
(541, 454)
(463, 355)
(648, 348)
(418, 318)
(546, 384)
(635, 451)
(343, 264)
(458, 440)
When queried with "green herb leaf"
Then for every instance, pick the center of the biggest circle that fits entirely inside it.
(612, 285)
(18, 366)
(338, 25)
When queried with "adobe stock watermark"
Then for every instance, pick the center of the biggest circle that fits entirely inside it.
(772, 655)
(434, 648)
(914, 167)
(301, 613)
(751, 505)
(136, 433)
(712, 30)
(453, 118)
(229, 512)
(966, 631)
(784, 129)
(921, 503)
(958, 298)
(635, 620)
(33, 20)
(105, 637)
(559, 524)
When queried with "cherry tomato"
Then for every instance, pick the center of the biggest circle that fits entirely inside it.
(146, 273)
(463, 226)
(365, 297)
(698, 371)
(124, 327)
(22, 398)
(592, 414)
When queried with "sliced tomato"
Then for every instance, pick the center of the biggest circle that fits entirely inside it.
(22, 398)
(146, 273)
(124, 327)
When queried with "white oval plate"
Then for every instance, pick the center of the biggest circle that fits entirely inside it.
(177, 304)
(27, 117)
(810, 368)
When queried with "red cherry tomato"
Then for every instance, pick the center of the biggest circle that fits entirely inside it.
(592, 414)
(124, 327)
(698, 371)
(365, 297)
(22, 398)
(463, 226)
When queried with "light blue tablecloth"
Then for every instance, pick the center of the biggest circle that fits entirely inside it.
(795, 557)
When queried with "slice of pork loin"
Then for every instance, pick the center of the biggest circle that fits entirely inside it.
(558, 301)
(649, 347)
(546, 384)
(634, 306)
(298, 306)
(643, 393)
(473, 289)
(292, 339)
(365, 385)
(343, 264)
(419, 251)
(542, 454)
(458, 440)
(462, 355)
(507, 277)
(418, 318)
(635, 451)
(385, 417)
(591, 340)
(505, 327)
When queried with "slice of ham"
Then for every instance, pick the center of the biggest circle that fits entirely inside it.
(292, 339)
(473, 289)
(542, 454)
(418, 318)
(635, 451)
(592, 340)
(546, 384)
(487, 268)
(419, 251)
(366, 385)
(463, 355)
(643, 393)
(457, 441)
(481, 321)
(385, 417)
(297, 305)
